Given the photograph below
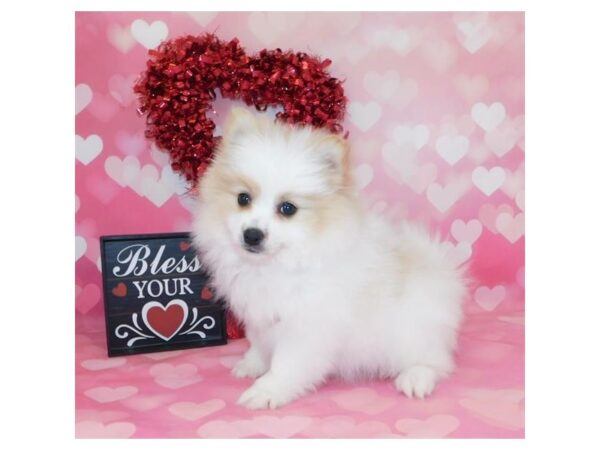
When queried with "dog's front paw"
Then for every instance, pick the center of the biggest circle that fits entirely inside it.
(251, 366)
(417, 381)
(262, 395)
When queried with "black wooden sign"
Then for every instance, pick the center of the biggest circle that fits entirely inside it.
(156, 295)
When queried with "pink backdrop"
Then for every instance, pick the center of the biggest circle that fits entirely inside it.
(436, 121)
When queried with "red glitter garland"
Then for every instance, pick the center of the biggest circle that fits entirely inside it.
(181, 78)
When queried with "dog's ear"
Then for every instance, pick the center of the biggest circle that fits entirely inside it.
(334, 151)
(239, 122)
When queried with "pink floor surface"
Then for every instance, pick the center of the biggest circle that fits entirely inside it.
(191, 393)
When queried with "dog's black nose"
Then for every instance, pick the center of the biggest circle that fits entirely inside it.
(253, 236)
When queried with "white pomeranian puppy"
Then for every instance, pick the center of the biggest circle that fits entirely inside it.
(323, 287)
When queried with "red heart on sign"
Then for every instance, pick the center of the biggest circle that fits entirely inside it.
(120, 290)
(206, 293)
(184, 246)
(165, 321)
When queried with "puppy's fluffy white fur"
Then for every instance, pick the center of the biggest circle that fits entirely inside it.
(334, 289)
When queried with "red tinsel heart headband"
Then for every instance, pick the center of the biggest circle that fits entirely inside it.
(182, 75)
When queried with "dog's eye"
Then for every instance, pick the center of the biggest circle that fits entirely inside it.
(287, 209)
(244, 199)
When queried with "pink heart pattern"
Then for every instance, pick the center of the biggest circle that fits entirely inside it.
(95, 430)
(363, 400)
(106, 394)
(502, 408)
(436, 426)
(260, 426)
(458, 168)
(194, 411)
(489, 298)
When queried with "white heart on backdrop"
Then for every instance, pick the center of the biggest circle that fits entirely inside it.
(417, 135)
(452, 148)
(364, 115)
(419, 177)
(505, 137)
(382, 86)
(174, 181)
(80, 247)
(443, 197)
(120, 37)
(149, 35)
(87, 297)
(490, 298)
(512, 228)
(401, 40)
(473, 36)
(439, 54)
(131, 173)
(466, 232)
(488, 117)
(145, 181)
(113, 166)
(87, 149)
(488, 181)
(121, 88)
(520, 200)
(150, 186)
(488, 214)
(515, 182)
(83, 97)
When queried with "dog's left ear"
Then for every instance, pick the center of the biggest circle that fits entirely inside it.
(335, 153)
